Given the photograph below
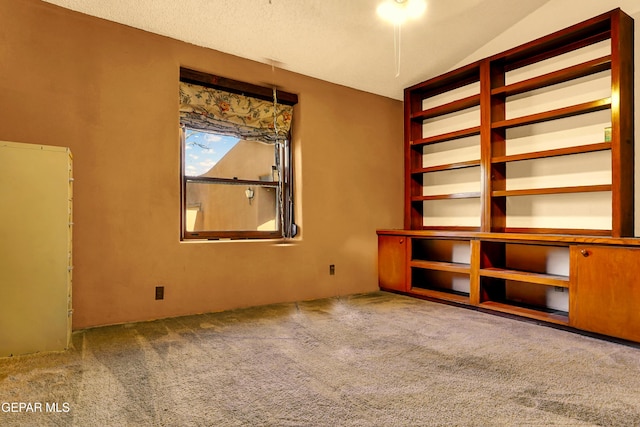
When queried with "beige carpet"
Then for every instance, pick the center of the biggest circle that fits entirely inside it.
(367, 360)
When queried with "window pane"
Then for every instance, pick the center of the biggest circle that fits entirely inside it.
(224, 207)
(219, 156)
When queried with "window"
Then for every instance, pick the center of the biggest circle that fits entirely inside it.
(236, 159)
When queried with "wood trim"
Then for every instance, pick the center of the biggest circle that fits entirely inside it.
(474, 276)
(231, 235)
(229, 181)
(622, 121)
(413, 213)
(555, 238)
(235, 86)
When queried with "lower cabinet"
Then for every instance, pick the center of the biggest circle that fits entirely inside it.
(392, 263)
(587, 283)
(605, 290)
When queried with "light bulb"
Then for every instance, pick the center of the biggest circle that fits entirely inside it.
(399, 11)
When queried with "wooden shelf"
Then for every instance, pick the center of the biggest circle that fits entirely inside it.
(590, 148)
(441, 295)
(447, 136)
(446, 82)
(560, 318)
(554, 190)
(451, 267)
(560, 113)
(567, 74)
(451, 107)
(525, 276)
(470, 195)
(452, 166)
(568, 40)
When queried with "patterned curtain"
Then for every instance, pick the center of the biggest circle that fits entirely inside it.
(231, 114)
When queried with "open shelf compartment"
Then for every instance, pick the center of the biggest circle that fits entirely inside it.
(528, 279)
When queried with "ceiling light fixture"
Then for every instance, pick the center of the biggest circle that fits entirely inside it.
(399, 11)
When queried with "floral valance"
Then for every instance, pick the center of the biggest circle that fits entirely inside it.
(232, 114)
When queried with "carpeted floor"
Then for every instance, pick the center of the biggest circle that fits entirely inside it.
(368, 360)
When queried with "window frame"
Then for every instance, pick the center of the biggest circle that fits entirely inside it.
(286, 226)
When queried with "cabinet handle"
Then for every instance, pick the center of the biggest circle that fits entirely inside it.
(401, 241)
(584, 252)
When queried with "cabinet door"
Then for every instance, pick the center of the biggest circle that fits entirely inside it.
(605, 290)
(392, 262)
(35, 248)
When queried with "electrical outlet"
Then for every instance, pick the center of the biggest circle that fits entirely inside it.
(332, 269)
(159, 292)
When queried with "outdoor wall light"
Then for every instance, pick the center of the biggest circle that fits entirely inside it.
(249, 193)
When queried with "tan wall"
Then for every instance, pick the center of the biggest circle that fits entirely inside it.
(110, 93)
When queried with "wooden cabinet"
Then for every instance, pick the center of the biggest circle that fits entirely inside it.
(392, 265)
(585, 282)
(605, 290)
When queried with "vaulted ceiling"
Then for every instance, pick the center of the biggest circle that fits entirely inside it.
(340, 41)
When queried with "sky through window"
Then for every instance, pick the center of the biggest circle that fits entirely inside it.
(203, 150)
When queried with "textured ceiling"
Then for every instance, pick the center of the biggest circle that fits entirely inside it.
(341, 41)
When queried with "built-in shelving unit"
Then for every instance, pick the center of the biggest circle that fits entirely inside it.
(513, 162)
(512, 113)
